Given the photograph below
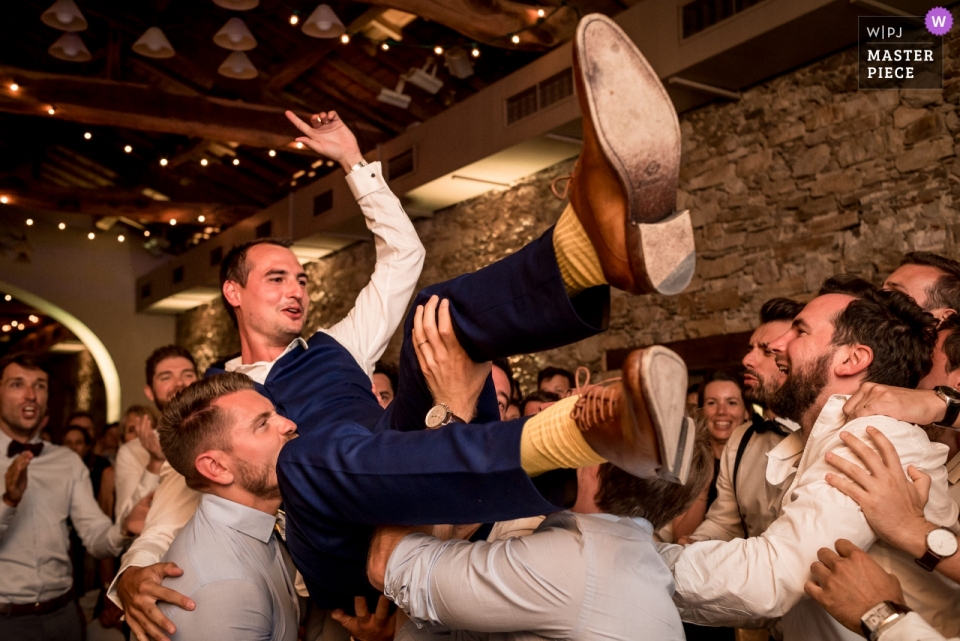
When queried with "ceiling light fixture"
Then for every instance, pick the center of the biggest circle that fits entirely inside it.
(237, 5)
(515, 39)
(14, 86)
(87, 136)
(475, 52)
(91, 235)
(154, 44)
(272, 153)
(299, 145)
(385, 46)
(458, 63)
(438, 50)
(4, 200)
(64, 15)
(294, 18)
(238, 66)
(70, 47)
(173, 222)
(7, 328)
(324, 23)
(236, 161)
(146, 233)
(127, 148)
(201, 218)
(395, 97)
(541, 13)
(8, 298)
(345, 38)
(163, 162)
(29, 222)
(62, 226)
(235, 36)
(33, 318)
(203, 162)
(120, 238)
(426, 76)
(51, 111)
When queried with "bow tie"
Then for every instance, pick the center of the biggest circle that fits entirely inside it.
(760, 426)
(16, 447)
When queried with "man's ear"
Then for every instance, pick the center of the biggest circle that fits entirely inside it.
(231, 293)
(942, 313)
(148, 392)
(953, 378)
(856, 360)
(211, 465)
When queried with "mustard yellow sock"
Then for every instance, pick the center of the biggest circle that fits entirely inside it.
(579, 264)
(551, 440)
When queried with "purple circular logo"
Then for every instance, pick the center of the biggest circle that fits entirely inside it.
(939, 21)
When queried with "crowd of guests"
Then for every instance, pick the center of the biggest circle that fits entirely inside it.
(301, 489)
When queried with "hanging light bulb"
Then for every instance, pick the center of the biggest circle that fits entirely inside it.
(87, 136)
(64, 15)
(272, 153)
(70, 47)
(154, 44)
(438, 50)
(385, 46)
(14, 86)
(237, 5)
(294, 18)
(515, 39)
(235, 36)
(541, 13)
(323, 23)
(238, 65)
(203, 162)
(475, 52)
(345, 38)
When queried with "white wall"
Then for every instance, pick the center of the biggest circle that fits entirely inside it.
(94, 280)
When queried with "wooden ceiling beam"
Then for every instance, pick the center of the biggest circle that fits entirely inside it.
(133, 106)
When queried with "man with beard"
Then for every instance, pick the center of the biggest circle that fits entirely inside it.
(139, 462)
(224, 438)
(835, 344)
(747, 499)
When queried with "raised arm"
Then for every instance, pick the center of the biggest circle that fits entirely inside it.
(100, 536)
(381, 305)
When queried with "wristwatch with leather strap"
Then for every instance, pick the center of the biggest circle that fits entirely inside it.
(951, 397)
(440, 415)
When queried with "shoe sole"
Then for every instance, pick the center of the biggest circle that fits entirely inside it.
(663, 377)
(640, 138)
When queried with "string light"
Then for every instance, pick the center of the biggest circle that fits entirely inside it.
(385, 46)
(515, 39)
(299, 145)
(541, 13)
(345, 38)
(201, 218)
(33, 318)
(438, 50)
(475, 52)
(236, 161)
(203, 162)
(120, 238)
(294, 18)
(7, 328)
(330, 163)
(62, 226)
(4, 200)
(293, 183)
(146, 233)
(272, 153)
(173, 222)
(8, 298)
(91, 235)
(311, 174)
(14, 86)
(14, 324)
(163, 162)
(87, 136)
(128, 148)
(51, 111)
(29, 221)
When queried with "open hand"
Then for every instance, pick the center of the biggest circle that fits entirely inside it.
(139, 589)
(922, 407)
(378, 626)
(16, 479)
(133, 524)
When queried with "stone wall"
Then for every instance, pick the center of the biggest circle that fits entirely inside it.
(804, 177)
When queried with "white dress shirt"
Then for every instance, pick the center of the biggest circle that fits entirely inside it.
(912, 628)
(132, 479)
(364, 332)
(578, 576)
(748, 582)
(34, 540)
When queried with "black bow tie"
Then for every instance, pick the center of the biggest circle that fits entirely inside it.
(16, 447)
(760, 426)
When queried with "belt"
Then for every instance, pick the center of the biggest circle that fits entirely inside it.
(41, 607)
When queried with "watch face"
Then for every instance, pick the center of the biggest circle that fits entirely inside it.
(942, 542)
(436, 416)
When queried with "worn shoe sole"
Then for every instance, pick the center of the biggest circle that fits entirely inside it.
(636, 128)
(662, 378)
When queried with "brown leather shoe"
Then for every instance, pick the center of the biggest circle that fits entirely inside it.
(624, 188)
(639, 425)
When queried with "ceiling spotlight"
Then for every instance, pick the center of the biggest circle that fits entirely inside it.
(120, 238)
(238, 66)
(475, 52)
(541, 13)
(203, 162)
(294, 18)
(29, 222)
(163, 162)
(4, 200)
(33, 318)
(173, 222)
(146, 233)
(65, 16)
(127, 148)
(51, 111)
(87, 136)
(8, 298)
(324, 23)
(154, 44)
(201, 218)
(345, 39)
(62, 226)
(70, 47)
(438, 50)
(235, 36)
(385, 46)
(236, 161)
(91, 235)
(14, 86)
(395, 97)
(515, 39)
(299, 145)
(272, 153)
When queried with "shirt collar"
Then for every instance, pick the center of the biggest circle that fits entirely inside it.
(6, 440)
(241, 518)
(831, 417)
(641, 522)
(237, 364)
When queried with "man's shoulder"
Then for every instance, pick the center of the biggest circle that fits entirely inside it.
(208, 552)
(133, 450)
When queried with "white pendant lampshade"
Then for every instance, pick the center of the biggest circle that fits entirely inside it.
(70, 48)
(153, 44)
(237, 5)
(238, 66)
(235, 36)
(64, 15)
(323, 23)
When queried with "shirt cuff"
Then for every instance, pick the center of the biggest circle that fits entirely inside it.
(406, 581)
(366, 180)
(6, 515)
(910, 628)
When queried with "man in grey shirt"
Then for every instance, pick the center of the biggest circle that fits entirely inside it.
(591, 573)
(231, 551)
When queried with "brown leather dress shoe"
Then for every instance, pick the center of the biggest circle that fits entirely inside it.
(624, 188)
(639, 425)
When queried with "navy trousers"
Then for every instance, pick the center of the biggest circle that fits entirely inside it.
(355, 466)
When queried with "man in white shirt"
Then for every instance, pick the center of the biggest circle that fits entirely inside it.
(169, 369)
(836, 343)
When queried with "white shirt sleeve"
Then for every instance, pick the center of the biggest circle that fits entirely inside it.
(722, 521)
(100, 536)
(737, 582)
(133, 480)
(173, 505)
(381, 305)
(912, 628)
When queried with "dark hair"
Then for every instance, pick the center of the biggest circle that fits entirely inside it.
(192, 424)
(717, 376)
(234, 267)
(539, 396)
(656, 500)
(901, 335)
(779, 309)
(26, 361)
(70, 428)
(75, 415)
(550, 372)
(163, 353)
(951, 344)
(504, 364)
(390, 371)
(945, 291)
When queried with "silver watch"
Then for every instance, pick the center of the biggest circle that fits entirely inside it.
(880, 617)
(363, 163)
